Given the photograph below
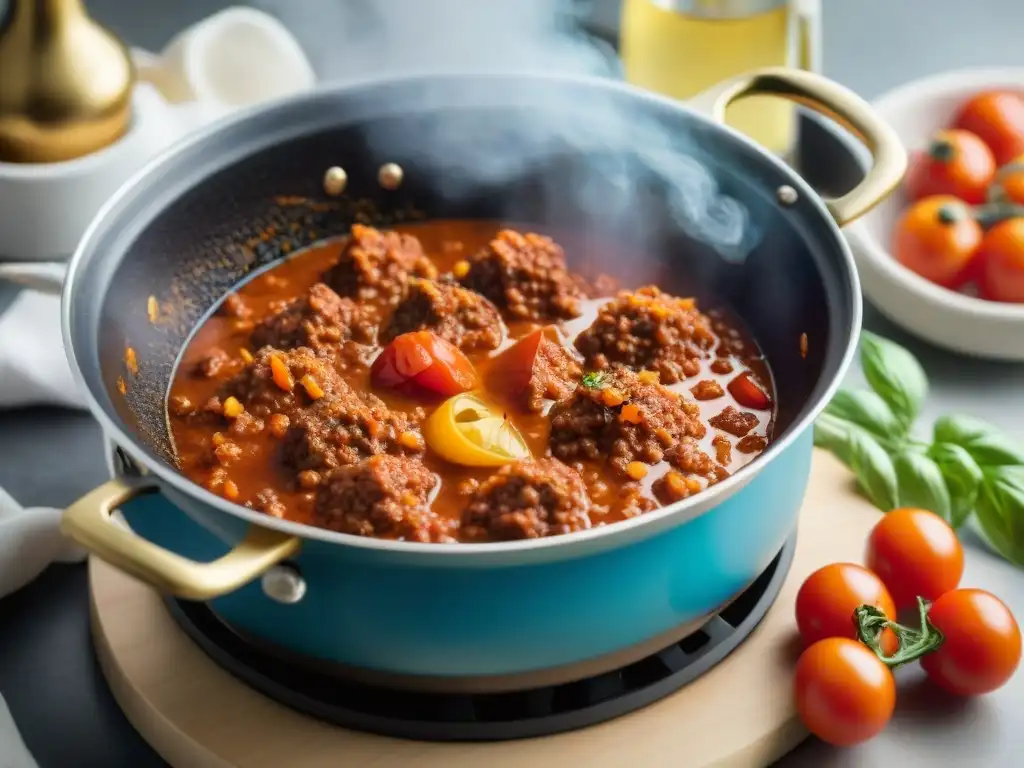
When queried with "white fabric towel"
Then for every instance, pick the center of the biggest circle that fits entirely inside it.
(33, 368)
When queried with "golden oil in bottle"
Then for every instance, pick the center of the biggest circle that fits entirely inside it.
(681, 47)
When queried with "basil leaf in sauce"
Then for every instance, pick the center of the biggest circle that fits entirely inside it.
(921, 483)
(1000, 511)
(986, 443)
(865, 409)
(895, 375)
(874, 470)
(963, 478)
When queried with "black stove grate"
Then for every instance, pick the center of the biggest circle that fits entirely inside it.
(490, 716)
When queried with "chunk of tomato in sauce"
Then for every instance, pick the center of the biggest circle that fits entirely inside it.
(422, 362)
(513, 369)
(749, 393)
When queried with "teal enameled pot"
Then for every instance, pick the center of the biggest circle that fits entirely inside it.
(701, 200)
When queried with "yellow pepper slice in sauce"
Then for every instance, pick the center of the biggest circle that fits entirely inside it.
(466, 430)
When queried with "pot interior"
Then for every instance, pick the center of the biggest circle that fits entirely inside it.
(692, 200)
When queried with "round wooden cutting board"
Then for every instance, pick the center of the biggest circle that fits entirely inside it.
(739, 714)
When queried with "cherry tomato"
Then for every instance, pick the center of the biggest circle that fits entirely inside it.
(916, 554)
(1001, 262)
(748, 393)
(1008, 184)
(955, 163)
(827, 599)
(997, 118)
(938, 239)
(982, 645)
(844, 693)
(422, 361)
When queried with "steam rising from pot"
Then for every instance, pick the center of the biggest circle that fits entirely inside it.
(356, 40)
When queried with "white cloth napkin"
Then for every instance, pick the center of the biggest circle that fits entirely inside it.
(33, 368)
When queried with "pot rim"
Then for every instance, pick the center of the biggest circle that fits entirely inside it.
(627, 530)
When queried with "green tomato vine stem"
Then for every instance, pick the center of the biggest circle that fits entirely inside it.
(913, 643)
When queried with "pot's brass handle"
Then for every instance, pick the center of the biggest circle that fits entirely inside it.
(835, 101)
(88, 521)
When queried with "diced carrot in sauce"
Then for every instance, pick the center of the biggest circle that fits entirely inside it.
(636, 470)
(612, 397)
(630, 414)
(281, 375)
(232, 408)
(313, 389)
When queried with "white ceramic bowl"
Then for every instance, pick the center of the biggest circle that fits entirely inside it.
(944, 318)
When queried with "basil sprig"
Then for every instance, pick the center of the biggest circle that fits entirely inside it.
(969, 467)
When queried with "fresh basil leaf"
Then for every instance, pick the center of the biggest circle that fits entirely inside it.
(895, 375)
(874, 470)
(963, 478)
(1000, 511)
(920, 483)
(834, 435)
(865, 409)
(988, 445)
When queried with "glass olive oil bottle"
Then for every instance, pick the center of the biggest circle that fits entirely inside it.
(681, 47)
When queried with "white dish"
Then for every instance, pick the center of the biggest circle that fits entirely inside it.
(957, 322)
(235, 58)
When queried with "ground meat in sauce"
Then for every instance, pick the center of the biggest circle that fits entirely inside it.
(319, 320)
(633, 502)
(627, 417)
(673, 486)
(708, 389)
(734, 421)
(751, 444)
(527, 500)
(382, 496)
(688, 457)
(256, 389)
(217, 363)
(339, 457)
(377, 264)
(525, 275)
(649, 329)
(463, 317)
(723, 449)
(346, 427)
(235, 306)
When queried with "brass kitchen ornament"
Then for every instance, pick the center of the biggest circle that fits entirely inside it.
(65, 82)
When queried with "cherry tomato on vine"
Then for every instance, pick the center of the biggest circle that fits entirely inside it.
(955, 163)
(997, 118)
(1001, 262)
(982, 645)
(421, 361)
(844, 693)
(827, 599)
(938, 238)
(916, 554)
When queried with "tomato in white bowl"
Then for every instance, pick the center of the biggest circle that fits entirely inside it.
(969, 297)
